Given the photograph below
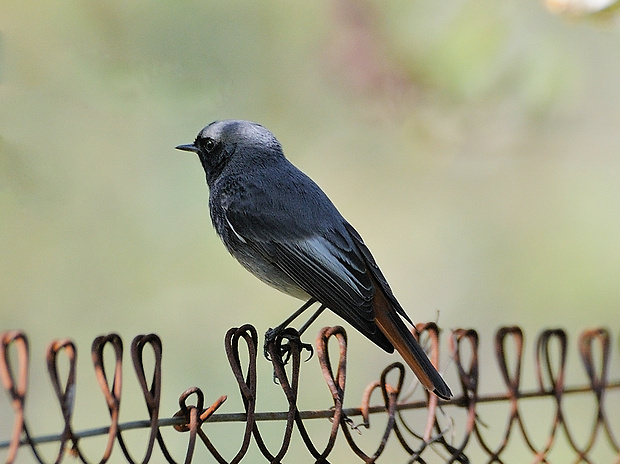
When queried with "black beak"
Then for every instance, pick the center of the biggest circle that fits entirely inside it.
(188, 147)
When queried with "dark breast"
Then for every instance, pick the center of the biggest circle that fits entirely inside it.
(240, 244)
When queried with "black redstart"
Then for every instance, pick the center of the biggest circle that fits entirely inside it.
(283, 229)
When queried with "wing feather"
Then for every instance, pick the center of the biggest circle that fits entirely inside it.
(330, 268)
(338, 281)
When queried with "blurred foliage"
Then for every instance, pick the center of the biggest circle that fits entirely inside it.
(473, 143)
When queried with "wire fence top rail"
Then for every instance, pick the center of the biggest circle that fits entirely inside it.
(436, 435)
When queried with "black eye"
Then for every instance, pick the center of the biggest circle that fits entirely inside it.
(209, 144)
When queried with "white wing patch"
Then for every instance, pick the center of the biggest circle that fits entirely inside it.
(233, 229)
(325, 253)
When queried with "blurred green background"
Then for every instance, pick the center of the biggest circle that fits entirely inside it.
(473, 143)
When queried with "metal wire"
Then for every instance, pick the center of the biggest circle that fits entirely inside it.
(436, 432)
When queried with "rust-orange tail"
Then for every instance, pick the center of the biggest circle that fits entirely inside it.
(390, 323)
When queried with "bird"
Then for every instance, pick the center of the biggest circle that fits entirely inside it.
(281, 226)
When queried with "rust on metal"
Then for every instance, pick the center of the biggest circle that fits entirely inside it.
(436, 434)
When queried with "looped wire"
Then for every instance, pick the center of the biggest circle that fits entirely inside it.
(598, 382)
(390, 396)
(16, 387)
(432, 331)
(434, 433)
(335, 382)
(290, 387)
(66, 395)
(112, 394)
(247, 385)
(586, 342)
(512, 380)
(191, 414)
(543, 358)
(468, 378)
(285, 354)
(152, 393)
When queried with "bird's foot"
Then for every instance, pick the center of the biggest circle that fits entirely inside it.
(283, 342)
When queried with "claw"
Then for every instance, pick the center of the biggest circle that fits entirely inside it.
(270, 336)
(308, 346)
(277, 336)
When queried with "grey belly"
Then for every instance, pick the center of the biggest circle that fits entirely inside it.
(270, 274)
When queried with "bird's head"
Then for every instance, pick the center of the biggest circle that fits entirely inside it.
(223, 141)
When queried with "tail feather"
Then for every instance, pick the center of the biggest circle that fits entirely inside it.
(397, 333)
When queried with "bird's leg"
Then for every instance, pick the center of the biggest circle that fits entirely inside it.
(290, 319)
(282, 331)
(316, 314)
(295, 335)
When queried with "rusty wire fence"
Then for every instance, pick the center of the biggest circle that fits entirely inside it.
(432, 438)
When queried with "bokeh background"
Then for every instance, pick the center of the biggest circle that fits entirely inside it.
(473, 143)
